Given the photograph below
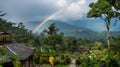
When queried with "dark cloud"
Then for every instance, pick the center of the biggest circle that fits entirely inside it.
(21, 10)
(27, 10)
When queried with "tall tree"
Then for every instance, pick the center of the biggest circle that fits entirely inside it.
(21, 25)
(51, 29)
(53, 40)
(103, 10)
(115, 4)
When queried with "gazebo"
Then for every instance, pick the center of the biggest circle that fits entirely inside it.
(5, 38)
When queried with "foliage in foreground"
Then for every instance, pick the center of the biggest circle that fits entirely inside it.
(106, 57)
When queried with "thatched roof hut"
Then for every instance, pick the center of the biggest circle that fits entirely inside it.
(5, 38)
(5, 35)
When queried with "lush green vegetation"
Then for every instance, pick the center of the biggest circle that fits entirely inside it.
(52, 43)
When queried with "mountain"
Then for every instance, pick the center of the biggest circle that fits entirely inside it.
(31, 24)
(72, 30)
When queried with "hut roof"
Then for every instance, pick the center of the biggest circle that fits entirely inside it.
(5, 34)
(1, 32)
(16, 48)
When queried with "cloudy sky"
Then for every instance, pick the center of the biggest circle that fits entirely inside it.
(37, 10)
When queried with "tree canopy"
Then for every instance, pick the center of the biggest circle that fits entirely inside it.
(104, 10)
(115, 4)
(51, 29)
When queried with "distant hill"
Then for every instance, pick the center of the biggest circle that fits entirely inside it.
(72, 30)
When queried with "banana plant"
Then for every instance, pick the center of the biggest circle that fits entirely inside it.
(3, 58)
(3, 53)
(14, 58)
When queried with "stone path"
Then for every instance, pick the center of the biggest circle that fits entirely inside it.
(73, 62)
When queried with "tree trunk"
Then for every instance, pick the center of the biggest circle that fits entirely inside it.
(108, 33)
(108, 39)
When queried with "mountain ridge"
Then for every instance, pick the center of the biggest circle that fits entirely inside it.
(72, 30)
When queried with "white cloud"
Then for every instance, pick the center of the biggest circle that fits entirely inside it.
(81, 2)
(61, 3)
(28, 10)
(75, 10)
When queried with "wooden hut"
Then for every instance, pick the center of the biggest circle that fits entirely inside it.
(5, 38)
(15, 48)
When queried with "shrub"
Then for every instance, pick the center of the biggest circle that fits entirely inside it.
(104, 59)
(62, 60)
(78, 61)
(67, 60)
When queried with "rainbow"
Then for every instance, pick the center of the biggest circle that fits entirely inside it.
(45, 20)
